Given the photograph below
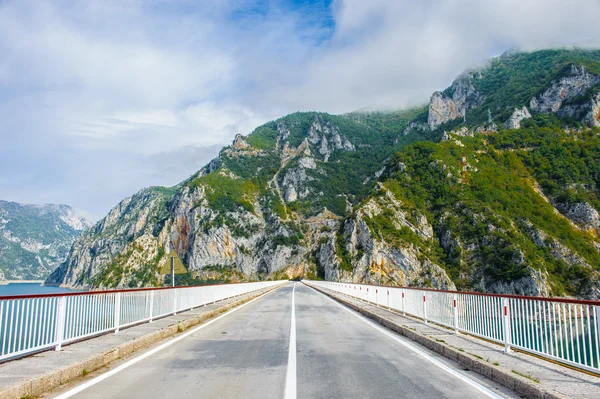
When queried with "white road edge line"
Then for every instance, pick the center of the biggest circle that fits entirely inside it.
(290, 375)
(133, 361)
(418, 351)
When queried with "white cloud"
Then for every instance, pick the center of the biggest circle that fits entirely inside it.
(95, 94)
(395, 53)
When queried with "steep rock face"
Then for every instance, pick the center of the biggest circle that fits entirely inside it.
(2, 278)
(293, 184)
(560, 252)
(582, 214)
(239, 143)
(96, 247)
(366, 253)
(444, 107)
(514, 122)
(415, 126)
(327, 138)
(569, 96)
(35, 239)
(575, 82)
(593, 116)
(471, 250)
(535, 283)
(256, 210)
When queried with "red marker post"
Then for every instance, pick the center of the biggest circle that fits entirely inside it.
(425, 308)
(506, 320)
(455, 314)
(403, 308)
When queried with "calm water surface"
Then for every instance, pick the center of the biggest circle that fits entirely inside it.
(29, 289)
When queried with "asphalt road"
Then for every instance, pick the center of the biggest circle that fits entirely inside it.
(247, 354)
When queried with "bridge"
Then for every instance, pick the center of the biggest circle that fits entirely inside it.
(307, 339)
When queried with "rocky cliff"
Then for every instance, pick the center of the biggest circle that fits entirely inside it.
(35, 239)
(506, 202)
(257, 210)
(455, 101)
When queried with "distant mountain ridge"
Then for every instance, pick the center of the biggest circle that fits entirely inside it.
(493, 186)
(35, 239)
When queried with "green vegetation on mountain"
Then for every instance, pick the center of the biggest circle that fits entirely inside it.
(374, 136)
(565, 164)
(493, 210)
(514, 78)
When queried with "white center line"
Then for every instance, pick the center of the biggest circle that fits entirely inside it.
(290, 376)
(133, 361)
(465, 379)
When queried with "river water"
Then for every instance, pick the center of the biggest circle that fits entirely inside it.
(29, 289)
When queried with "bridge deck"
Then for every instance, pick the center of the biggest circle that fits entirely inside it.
(246, 355)
(251, 353)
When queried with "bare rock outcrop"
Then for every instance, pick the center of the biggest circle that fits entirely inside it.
(582, 214)
(444, 107)
(514, 122)
(570, 96)
(327, 138)
(375, 260)
(535, 283)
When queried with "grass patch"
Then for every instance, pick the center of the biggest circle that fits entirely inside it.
(528, 376)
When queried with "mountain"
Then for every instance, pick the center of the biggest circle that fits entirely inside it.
(493, 186)
(251, 212)
(507, 202)
(35, 239)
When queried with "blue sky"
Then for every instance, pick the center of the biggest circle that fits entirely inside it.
(99, 98)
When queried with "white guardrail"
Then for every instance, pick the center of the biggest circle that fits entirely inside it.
(563, 330)
(31, 323)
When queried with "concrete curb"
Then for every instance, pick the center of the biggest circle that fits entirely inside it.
(520, 385)
(40, 384)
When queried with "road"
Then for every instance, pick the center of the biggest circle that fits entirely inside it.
(249, 354)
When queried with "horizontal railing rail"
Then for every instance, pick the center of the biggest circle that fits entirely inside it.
(563, 330)
(32, 323)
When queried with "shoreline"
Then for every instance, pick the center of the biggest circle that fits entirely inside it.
(5, 282)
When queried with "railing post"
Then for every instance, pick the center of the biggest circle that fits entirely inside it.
(388, 299)
(403, 307)
(506, 327)
(151, 305)
(174, 301)
(60, 322)
(455, 303)
(117, 315)
(425, 308)
(455, 309)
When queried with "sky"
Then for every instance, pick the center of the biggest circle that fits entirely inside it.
(100, 98)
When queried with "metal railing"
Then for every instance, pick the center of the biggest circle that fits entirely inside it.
(563, 330)
(31, 323)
